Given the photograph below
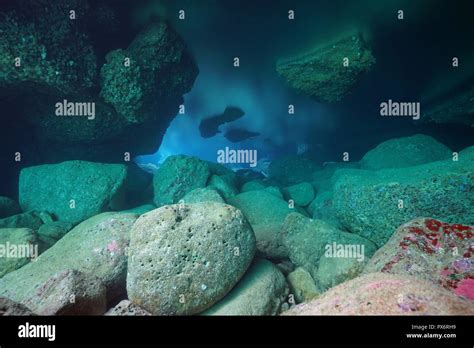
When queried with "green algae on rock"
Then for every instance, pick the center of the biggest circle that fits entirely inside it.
(302, 194)
(177, 176)
(405, 152)
(328, 73)
(374, 204)
(24, 243)
(96, 246)
(302, 285)
(74, 190)
(184, 258)
(261, 291)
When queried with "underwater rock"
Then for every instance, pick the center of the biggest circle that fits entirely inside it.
(385, 294)
(458, 109)
(265, 212)
(11, 308)
(74, 190)
(292, 170)
(8, 207)
(274, 190)
(205, 194)
(302, 194)
(177, 176)
(184, 258)
(307, 240)
(18, 242)
(51, 232)
(405, 152)
(428, 249)
(208, 127)
(127, 308)
(138, 186)
(246, 175)
(236, 135)
(375, 204)
(323, 181)
(261, 291)
(140, 210)
(322, 74)
(302, 285)
(253, 185)
(335, 270)
(31, 219)
(69, 292)
(223, 185)
(94, 247)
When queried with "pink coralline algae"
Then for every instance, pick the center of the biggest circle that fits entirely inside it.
(430, 249)
(465, 288)
(113, 247)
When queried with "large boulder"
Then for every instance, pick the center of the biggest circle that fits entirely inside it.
(405, 152)
(17, 247)
(386, 294)
(307, 240)
(292, 170)
(184, 258)
(261, 291)
(177, 176)
(429, 249)
(69, 292)
(374, 203)
(74, 190)
(8, 207)
(265, 213)
(94, 247)
(322, 73)
(224, 185)
(302, 194)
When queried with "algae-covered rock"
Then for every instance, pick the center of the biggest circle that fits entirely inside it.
(51, 232)
(375, 204)
(177, 176)
(429, 249)
(265, 213)
(224, 185)
(69, 292)
(253, 185)
(261, 291)
(302, 285)
(335, 270)
(31, 219)
(292, 170)
(17, 247)
(184, 258)
(74, 190)
(127, 308)
(385, 294)
(307, 240)
(405, 152)
(8, 207)
(328, 73)
(96, 247)
(302, 194)
(205, 194)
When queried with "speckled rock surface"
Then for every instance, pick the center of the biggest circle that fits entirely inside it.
(261, 291)
(405, 152)
(51, 232)
(368, 202)
(302, 285)
(321, 73)
(205, 194)
(184, 258)
(69, 292)
(126, 308)
(177, 176)
(22, 242)
(430, 249)
(94, 187)
(307, 240)
(302, 194)
(224, 185)
(9, 307)
(386, 294)
(96, 246)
